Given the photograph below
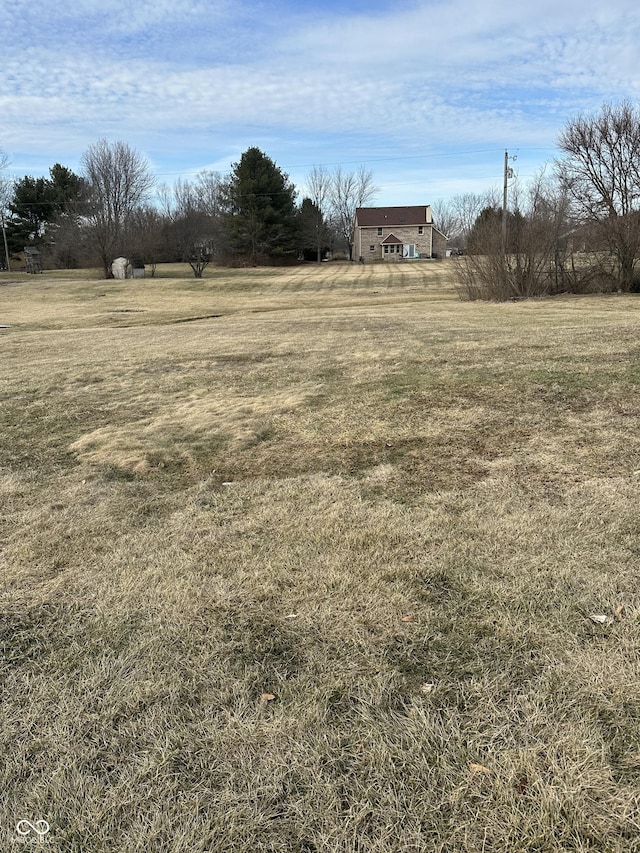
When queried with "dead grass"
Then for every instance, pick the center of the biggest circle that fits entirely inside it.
(388, 509)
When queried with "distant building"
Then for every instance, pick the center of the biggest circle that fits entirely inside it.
(127, 268)
(137, 268)
(396, 234)
(32, 259)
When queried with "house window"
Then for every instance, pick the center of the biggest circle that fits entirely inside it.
(372, 248)
(420, 229)
(386, 250)
(379, 232)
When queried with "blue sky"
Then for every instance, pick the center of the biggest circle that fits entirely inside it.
(425, 94)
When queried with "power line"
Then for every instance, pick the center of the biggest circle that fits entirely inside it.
(193, 173)
(470, 152)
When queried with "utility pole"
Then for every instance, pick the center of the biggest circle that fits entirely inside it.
(6, 247)
(508, 173)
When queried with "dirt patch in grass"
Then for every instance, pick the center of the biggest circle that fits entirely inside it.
(197, 426)
(318, 574)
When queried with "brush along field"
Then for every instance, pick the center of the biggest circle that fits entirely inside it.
(306, 560)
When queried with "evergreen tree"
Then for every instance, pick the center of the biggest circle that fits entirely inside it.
(312, 231)
(69, 190)
(488, 224)
(261, 221)
(38, 202)
(31, 208)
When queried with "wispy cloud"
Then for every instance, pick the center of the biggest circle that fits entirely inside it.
(190, 82)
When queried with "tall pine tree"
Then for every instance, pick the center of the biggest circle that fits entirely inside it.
(313, 233)
(261, 221)
(38, 202)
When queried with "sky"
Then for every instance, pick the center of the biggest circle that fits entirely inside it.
(427, 94)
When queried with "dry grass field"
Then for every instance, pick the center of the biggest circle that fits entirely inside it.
(305, 560)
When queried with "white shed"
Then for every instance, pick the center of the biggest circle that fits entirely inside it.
(119, 268)
(127, 268)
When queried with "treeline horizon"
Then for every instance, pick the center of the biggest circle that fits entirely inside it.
(573, 228)
(252, 216)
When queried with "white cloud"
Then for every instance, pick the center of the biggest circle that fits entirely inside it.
(175, 74)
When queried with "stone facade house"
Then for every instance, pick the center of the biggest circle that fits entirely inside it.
(396, 234)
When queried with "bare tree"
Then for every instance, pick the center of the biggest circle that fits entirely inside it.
(5, 183)
(68, 248)
(445, 217)
(601, 174)
(119, 180)
(208, 188)
(194, 213)
(5, 197)
(533, 264)
(147, 235)
(319, 183)
(348, 191)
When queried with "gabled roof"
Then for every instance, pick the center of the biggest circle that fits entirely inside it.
(390, 239)
(390, 216)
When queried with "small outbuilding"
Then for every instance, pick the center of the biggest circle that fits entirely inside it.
(137, 268)
(32, 259)
(127, 268)
(119, 268)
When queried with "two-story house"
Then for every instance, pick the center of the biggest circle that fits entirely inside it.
(396, 233)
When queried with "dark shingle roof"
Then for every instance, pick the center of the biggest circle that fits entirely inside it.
(389, 216)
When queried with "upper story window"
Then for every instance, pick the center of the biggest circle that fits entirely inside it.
(420, 229)
(379, 232)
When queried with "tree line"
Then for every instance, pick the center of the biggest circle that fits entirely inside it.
(249, 217)
(574, 228)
